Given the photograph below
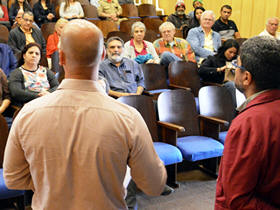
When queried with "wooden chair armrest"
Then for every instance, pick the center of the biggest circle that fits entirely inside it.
(169, 132)
(145, 92)
(171, 126)
(210, 126)
(179, 87)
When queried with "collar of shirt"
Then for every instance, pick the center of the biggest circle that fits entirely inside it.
(82, 85)
(26, 32)
(170, 44)
(132, 44)
(248, 100)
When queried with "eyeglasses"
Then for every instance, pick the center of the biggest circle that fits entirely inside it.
(234, 63)
(27, 20)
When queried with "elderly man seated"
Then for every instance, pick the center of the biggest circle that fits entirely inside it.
(203, 40)
(24, 34)
(272, 25)
(125, 76)
(170, 48)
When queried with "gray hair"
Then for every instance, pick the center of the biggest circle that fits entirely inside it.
(166, 24)
(113, 38)
(28, 13)
(137, 24)
(272, 18)
(210, 12)
(260, 56)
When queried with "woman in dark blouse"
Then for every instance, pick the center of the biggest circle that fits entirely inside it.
(213, 68)
(18, 5)
(4, 92)
(195, 21)
(43, 12)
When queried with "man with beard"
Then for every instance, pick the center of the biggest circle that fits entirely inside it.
(179, 19)
(225, 27)
(249, 170)
(125, 76)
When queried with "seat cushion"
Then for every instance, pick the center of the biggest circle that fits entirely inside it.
(169, 154)
(222, 136)
(195, 148)
(5, 193)
(157, 91)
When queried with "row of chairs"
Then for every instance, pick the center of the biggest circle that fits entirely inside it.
(181, 133)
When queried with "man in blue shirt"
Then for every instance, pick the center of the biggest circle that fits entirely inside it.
(125, 76)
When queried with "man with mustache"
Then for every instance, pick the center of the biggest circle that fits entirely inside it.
(125, 76)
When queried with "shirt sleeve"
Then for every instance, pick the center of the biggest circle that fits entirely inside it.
(147, 170)
(240, 168)
(139, 75)
(16, 168)
(4, 83)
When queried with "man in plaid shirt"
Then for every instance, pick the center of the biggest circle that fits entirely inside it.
(170, 48)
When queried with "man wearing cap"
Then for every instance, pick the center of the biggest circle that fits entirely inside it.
(179, 19)
(196, 3)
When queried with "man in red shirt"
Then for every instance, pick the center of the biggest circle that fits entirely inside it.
(249, 176)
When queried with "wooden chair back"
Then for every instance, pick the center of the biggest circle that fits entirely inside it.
(47, 29)
(178, 106)
(90, 11)
(179, 33)
(4, 131)
(155, 76)
(124, 36)
(152, 24)
(184, 74)
(151, 36)
(44, 61)
(145, 10)
(216, 101)
(4, 34)
(105, 26)
(84, 2)
(125, 25)
(129, 10)
(145, 106)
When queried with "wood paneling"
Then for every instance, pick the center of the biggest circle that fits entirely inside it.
(249, 15)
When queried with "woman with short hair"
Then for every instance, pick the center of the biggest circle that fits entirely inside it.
(137, 48)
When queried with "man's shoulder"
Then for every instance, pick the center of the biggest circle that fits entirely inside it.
(16, 30)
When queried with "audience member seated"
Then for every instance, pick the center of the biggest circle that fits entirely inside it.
(25, 34)
(170, 48)
(225, 27)
(196, 3)
(53, 43)
(5, 98)
(4, 15)
(43, 12)
(125, 76)
(203, 40)
(138, 49)
(18, 19)
(195, 21)
(272, 25)
(8, 62)
(71, 9)
(179, 19)
(111, 10)
(19, 5)
(30, 80)
(214, 68)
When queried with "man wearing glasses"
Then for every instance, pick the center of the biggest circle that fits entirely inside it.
(25, 34)
(249, 170)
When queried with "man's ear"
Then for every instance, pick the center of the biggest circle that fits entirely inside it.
(61, 58)
(247, 78)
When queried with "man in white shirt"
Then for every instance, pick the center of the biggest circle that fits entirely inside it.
(272, 25)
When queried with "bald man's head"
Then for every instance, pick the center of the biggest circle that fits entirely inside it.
(81, 43)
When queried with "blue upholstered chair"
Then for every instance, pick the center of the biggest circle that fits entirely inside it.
(196, 143)
(164, 146)
(216, 101)
(5, 193)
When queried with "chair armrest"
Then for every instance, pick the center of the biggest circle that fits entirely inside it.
(145, 92)
(169, 132)
(210, 126)
(179, 87)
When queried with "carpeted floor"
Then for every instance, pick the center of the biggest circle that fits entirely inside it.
(196, 192)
